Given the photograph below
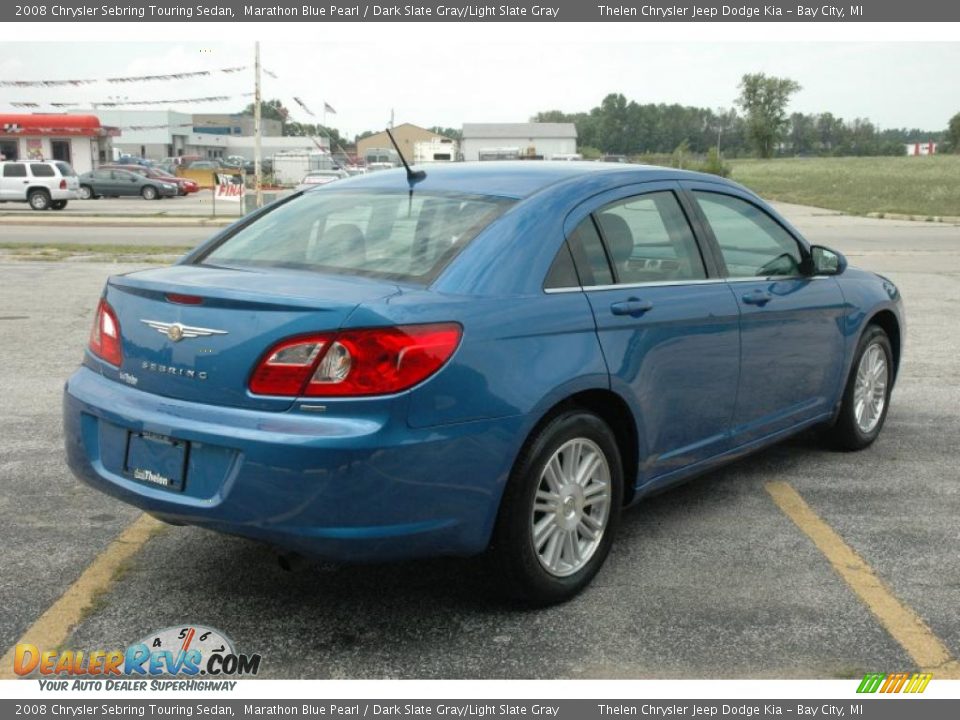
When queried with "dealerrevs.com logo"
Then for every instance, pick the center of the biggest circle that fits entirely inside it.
(188, 651)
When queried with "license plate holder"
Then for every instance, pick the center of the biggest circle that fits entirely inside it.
(156, 460)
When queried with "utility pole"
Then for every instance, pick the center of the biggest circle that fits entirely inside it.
(257, 171)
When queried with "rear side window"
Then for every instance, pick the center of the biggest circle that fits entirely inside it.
(378, 234)
(66, 169)
(752, 243)
(41, 170)
(563, 273)
(589, 256)
(14, 170)
(649, 240)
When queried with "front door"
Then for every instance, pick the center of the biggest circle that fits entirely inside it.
(14, 181)
(669, 331)
(791, 322)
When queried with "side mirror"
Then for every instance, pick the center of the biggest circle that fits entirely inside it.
(826, 261)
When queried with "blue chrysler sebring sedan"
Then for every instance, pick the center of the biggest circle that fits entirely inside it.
(491, 357)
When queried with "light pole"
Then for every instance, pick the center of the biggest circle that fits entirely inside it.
(257, 170)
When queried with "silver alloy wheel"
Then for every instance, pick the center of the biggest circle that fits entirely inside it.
(870, 388)
(85, 192)
(39, 201)
(571, 508)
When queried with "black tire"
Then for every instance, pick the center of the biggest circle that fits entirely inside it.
(149, 192)
(512, 548)
(86, 193)
(39, 199)
(846, 433)
(58, 204)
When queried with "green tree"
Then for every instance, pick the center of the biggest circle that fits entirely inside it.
(452, 133)
(953, 133)
(764, 98)
(270, 110)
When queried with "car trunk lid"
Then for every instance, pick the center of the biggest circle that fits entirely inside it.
(197, 332)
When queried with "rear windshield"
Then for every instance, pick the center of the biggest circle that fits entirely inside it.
(385, 235)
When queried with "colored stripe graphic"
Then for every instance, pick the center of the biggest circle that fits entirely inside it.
(894, 682)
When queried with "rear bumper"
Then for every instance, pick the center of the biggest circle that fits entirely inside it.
(359, 488)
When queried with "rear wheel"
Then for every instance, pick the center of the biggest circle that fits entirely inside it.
(39, 199)
(560, 509)
(58, 204)
(149, 192)
(866, 397)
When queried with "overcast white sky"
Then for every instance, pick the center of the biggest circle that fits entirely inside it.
(893, 84)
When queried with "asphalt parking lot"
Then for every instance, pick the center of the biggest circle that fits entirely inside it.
(711, 580)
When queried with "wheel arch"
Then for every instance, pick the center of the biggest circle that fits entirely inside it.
(887, 321)
(616, 413)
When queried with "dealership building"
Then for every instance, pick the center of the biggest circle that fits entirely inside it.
(502, 141)
(80, 140)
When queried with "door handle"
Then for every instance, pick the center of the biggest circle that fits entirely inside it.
(634, 307)
(757, 297)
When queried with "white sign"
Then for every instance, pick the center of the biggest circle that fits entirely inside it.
(230, 188)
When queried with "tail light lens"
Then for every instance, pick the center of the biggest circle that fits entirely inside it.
(63, 184)
(105, 335)
(374, 361)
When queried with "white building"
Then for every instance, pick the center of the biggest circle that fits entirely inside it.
(500, 140)
(149, 133)
(921, 148)
(80, 140)
(158, 134)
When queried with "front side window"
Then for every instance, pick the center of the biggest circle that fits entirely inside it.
(649, 240)
(378, 234)
(14, 170)
(752, 243)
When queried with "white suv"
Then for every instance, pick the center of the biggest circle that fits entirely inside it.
(43, 184)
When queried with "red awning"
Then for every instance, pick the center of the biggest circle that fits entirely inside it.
(52, 124)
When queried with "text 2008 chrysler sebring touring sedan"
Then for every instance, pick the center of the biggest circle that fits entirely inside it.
(492, 357)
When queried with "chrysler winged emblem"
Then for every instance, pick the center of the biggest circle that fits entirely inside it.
(176, 332)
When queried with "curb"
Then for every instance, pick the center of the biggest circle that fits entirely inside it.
(124, 221)
(948, 219)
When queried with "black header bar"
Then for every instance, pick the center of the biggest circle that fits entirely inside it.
(459, 11)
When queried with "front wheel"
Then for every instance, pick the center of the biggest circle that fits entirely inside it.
(149, 192)
(866, 397)
(86, 192)
(560, 509)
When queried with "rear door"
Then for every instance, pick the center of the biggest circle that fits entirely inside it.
(791, 323)
(667, 325)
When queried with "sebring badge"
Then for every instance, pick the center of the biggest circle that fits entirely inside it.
(178, 331)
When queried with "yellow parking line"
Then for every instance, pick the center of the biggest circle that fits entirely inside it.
(906, 627)
(54, 626)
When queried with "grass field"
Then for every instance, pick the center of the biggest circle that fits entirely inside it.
(924, 187)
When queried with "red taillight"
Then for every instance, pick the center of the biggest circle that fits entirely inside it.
(63, 184)
(105, 335)
(374, 361)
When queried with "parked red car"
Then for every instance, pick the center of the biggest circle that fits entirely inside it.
(184, 186)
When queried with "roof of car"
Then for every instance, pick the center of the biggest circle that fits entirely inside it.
(517, 179)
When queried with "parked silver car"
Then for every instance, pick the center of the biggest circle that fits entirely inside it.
(43, 184)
